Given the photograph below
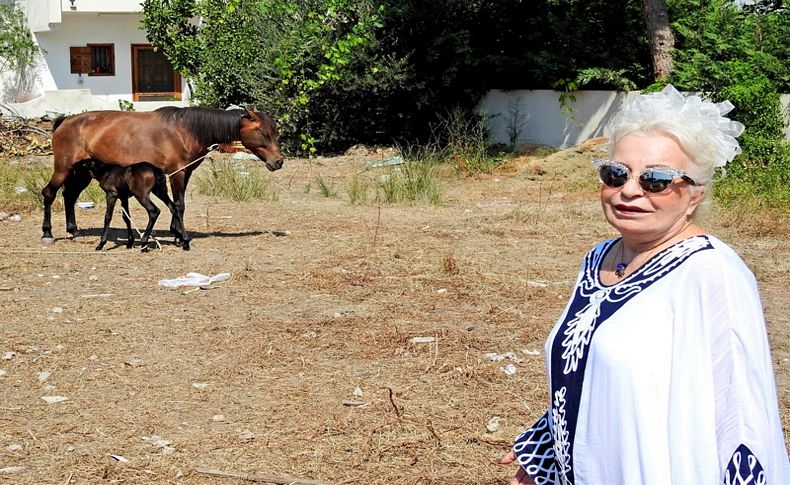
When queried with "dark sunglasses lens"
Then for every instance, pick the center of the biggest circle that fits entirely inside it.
(613, 176)
(654, 181)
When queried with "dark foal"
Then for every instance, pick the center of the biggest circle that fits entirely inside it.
(138, 180)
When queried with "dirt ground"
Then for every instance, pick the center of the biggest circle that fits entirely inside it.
(303, 363)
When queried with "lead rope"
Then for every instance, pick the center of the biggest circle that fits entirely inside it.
(138, 230)
(210, 149)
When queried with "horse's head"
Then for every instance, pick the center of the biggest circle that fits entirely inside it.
(258, 133)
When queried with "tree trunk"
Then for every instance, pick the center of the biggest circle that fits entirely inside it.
(661, 39)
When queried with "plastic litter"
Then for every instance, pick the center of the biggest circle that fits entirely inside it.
(387, 162)
(194, 279)
(85, 205)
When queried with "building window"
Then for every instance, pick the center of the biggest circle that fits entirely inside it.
(93, 60)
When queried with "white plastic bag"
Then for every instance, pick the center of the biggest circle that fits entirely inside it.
(194, 279)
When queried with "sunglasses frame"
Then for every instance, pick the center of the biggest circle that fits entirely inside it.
(675, 173)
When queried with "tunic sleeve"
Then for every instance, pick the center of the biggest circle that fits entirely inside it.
(749, 439)
(535, 453)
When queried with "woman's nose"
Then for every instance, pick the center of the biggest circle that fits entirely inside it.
(632, 187)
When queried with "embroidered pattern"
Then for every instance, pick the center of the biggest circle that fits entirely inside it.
(562, 445)
(535, 454)
(744, 469)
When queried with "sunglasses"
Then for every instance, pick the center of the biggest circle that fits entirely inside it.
(652, 179)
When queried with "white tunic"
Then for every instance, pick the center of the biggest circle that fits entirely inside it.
(663, 378)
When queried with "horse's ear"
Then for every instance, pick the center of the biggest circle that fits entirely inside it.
(255, 109)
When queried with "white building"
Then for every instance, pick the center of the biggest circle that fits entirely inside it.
(95, 54)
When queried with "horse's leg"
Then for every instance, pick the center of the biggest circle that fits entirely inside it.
(48, 193)
(153, 214)
(110, 198)
(73, 186)
(178, 185)
(128, 221)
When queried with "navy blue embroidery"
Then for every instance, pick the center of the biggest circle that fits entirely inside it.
(533, 449)
(744, 469)
(592, 304)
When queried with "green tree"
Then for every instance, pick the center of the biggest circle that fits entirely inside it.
(18, 51)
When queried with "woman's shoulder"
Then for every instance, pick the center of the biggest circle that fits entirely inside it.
(720, 261)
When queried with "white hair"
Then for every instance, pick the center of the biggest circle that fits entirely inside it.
(698, 125)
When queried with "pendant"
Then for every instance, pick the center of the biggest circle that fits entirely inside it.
(620, 270)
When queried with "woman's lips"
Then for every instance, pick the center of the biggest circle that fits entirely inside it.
(629, 209)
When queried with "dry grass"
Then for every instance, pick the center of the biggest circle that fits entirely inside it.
(321, 309)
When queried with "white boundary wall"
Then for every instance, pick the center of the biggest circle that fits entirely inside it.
(538, 118)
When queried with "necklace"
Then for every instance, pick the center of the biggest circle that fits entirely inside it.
(621, 267)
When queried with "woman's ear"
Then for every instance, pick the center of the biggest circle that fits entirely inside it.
(697, 195)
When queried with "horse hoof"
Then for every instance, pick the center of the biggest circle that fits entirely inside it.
(47, 241)
(145, 249)
(185, 246)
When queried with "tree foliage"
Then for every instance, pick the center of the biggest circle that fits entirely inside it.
(339, 72)
(18, 51)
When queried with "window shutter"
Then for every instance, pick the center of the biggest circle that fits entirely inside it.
(80, 59)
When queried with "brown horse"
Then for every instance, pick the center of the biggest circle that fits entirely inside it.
(169, 138)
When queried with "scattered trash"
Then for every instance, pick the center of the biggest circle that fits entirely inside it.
(492, 426)
(54, 399)
(3, 216)
(15, 218)
(494, 357)
(246, 436)
(20, 190)
(422, 340)
(531, 352)
(194, 279)
(85, 205)
(243, 156)
(537, 283)
(357, 392)
(9, 355)
(343, 313)
(135, 362)
(200, 385)
(3, 373)
(93, 278)
(161, 443)
(441, 291)
(57, 309)
(119, 458)
(15, 447)
(12, 469)
(388, 162)
(43, 376)
(218, 418)
(509, 369)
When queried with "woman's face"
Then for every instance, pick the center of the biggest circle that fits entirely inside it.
(641, 216)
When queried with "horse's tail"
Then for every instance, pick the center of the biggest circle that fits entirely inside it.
(57, 122)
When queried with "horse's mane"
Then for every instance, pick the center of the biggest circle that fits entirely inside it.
(57, 122)
(207, 125)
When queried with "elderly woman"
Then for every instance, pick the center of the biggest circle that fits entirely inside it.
(659, 368)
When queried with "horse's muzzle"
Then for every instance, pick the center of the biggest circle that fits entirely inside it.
(275, 165)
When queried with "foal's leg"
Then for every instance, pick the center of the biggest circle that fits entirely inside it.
(153, 214)
(72, 188)
(110, 198)
(126, 216)
(178, 187)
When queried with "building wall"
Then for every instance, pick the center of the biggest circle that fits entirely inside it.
(537, 117)
(79, 29)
